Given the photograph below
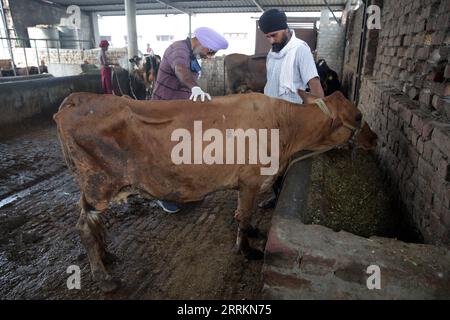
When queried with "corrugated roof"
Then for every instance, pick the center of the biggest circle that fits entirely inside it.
(116, 7)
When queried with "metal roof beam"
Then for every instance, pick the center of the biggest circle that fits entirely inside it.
(176, 7)
(332, 12)
(258, 5)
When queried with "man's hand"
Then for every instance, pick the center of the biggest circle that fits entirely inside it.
(197, 91)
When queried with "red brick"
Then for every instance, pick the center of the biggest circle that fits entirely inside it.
(419, 203)
(447, 72)
(443, 168)
(442, 105)
(446, 197)
(420, 146)
(413, 136)
(273, 278)
(428, 150)
(441, 138)
(406, 115)
(425, 170)
(425, 97)
(279, 253)
(422, 53)
(413, 155)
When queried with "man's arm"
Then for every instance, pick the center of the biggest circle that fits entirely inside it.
(184, 75)
(316, 87)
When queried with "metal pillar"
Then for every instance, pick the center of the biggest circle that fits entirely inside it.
(96, 32)
(362, 45)
(190, 26)
(5, 24)
(130, 13)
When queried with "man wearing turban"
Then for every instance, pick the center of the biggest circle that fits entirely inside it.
(290, 66)
(179, 71)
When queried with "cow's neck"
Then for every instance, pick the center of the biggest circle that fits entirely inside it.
(303, 127)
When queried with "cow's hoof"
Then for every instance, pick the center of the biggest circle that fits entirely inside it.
(254, 254)
(109, 286)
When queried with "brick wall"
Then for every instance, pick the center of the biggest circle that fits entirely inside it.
(330, 46)
(406, 102)
(66, 56)
(352, 48)
(414, 49)
(28, 13)
(212, 78)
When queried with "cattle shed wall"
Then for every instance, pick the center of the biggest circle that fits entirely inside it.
(212, 78)
(330, 46)
(405, 98)
(66, 56)
(26, 99)
(28, 13)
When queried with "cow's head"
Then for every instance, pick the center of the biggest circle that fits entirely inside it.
(346, 123)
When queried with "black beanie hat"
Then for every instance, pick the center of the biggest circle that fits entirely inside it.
(273, 20)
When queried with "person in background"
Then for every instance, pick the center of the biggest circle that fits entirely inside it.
(290, 66)
(149, 49)
(179, 71)
(105, 69)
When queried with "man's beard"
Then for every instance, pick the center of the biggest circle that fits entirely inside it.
(198, 52)
(277, 47)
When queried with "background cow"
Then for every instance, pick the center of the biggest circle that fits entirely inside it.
(328, 78)
(151, 67)
(129, 84)
(245, 73)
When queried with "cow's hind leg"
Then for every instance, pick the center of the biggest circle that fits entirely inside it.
(246, 200)
(92, 236)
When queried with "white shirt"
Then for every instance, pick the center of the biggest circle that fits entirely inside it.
(304, 70)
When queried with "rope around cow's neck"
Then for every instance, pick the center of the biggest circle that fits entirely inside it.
(120, 88)
(324, 108)
(118, 84)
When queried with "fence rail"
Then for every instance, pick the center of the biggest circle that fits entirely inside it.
(20, 43)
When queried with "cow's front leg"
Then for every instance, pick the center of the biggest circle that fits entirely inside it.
(93, 238)
(246, 200)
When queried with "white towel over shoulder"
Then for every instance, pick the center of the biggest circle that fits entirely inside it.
(288, 54)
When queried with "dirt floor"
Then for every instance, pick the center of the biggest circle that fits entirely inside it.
(187, 255)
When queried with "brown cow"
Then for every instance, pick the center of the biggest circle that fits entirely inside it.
(245, 73)
(117, 147)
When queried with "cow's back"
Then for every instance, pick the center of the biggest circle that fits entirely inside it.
(115, 144)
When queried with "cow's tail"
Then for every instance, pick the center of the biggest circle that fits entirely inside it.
(68, 102)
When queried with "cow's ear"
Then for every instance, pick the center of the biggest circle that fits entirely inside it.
(306, 97)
